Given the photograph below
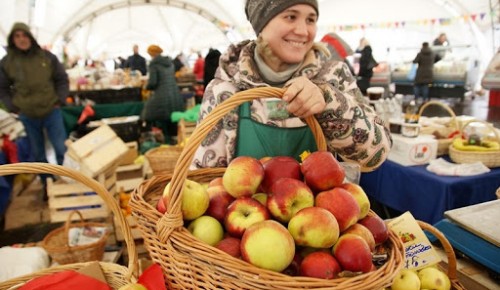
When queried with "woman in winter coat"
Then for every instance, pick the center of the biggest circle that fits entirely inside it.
(166, 97)
(286, 56)
(424, 77)
(366, 65)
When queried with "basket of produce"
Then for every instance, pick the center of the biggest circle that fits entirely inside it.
(483, 149)
(63, 251)
(444, 133)
(116, 275)
(222, 236)
(163, 159)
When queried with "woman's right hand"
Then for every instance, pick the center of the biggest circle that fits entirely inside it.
(304, 97)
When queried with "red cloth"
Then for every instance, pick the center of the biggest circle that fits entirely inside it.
(152, 278)
(494, 100)
(199, 68)
(10, 150)
(65, 280)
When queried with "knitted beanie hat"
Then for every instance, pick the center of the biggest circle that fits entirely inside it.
(154, 49)
(260, 12)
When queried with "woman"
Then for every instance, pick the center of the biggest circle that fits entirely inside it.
(165, 98)
(285, 55)
(366, 65)
(424, 77)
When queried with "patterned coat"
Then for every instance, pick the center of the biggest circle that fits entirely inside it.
(350, 125)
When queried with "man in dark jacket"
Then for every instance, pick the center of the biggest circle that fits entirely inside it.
(34, 84)
(424, 77)
(136, 61)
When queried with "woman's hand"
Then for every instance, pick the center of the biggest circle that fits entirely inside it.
(304, 98)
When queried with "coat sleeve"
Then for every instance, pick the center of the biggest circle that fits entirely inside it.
(350, 125)
(60, 77)
(153, 78)
(5, 90)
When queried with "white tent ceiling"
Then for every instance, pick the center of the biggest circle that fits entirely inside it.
(100, 28)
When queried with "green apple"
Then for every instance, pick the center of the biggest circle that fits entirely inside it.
(406, 280)
(195, 199)
(314, 227)
(207, 229)
(433, 278)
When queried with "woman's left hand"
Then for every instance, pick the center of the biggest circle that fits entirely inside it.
(304, 98)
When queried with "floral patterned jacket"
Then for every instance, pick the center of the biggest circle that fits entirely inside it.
(350, 125)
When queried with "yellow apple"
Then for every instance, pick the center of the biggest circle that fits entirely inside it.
(406, 280)
(243, 176)
(314, 227)
(360, 196)
(195, 199)
(261, 197)
(207, 229)
(433, 278)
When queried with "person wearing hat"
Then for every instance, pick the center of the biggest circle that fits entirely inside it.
(165, 97)
(34, 84)
(285, 55)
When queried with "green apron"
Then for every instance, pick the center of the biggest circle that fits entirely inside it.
(260, 140)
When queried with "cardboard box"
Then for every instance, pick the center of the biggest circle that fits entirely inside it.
(97, 151)
(413, 151)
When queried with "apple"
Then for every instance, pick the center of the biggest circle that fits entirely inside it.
(377, 226)
(322, 171)
(353, 253)
(243, 176)
(160, 206)
(133, 286)
(406, 280)
(261, 197)
(320, 265)
(215, 182)
(287, 197)
(362, 231)
(268, 245)
(433, 278)
(242, 213)
(207, 229)
(264, 159)
(294, 268)
(195, 199)
(314, 227)
(341, 204)
(219, 200)
(360, 197)
(230, 245)
(279, 167)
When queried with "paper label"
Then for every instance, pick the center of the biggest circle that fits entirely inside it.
(419, 252)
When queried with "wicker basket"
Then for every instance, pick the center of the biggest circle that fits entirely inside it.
(189, 263)
(443, 144)
(56, 243)
(163, 159)
(116, 275)
(450, 254)
(490, 159)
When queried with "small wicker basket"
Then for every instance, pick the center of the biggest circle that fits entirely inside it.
(163, 159)
(189, 263)
(443, 144)
(450, 254)
(56, 243)
(116, 275)
(490, 159)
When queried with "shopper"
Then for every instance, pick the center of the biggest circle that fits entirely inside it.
(285, 55)
(199, 68)
(211, 65)
(440, 43)
(165, 97)
(366, 65)
(179, 62)
(34, 84)
(424, 77)
(137, 61)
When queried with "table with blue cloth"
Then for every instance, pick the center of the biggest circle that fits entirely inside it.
(425, 194)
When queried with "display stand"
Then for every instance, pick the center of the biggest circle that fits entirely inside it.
(108, 96)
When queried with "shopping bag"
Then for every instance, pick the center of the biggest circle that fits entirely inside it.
(412, 72)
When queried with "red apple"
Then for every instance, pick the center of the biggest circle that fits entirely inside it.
(353, 253)
(362, 231)
(377, 227)
(242, 213)
(320, 265)
(314, 227)
(219, 201)
(322, 171)
(230, 245)
(279, 167)
(215, 182)
(161, 206)
(341, 204)
(243, 176)
(268, 245)
(287, 197)
(360, 196)
(294, 268)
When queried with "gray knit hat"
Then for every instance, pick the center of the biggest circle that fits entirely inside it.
(260, 12)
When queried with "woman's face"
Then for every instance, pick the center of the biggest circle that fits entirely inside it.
(290, 35)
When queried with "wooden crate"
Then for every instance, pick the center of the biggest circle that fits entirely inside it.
(66, 197)
(184, 130)
(134, 228)
(129, 176)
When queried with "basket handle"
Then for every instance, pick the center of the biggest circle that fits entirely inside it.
(488, 125)
(450, 253)
(38, 168)
(68, 223)
(442, 105)
(202, 130)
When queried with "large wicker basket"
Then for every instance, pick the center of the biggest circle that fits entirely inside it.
(188, 263)
(443, 144)
(116, 275)
(450, 254)
(162, 159)
(490, 159)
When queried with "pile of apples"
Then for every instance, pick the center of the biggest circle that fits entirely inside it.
(285, 216)
(430, 277)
